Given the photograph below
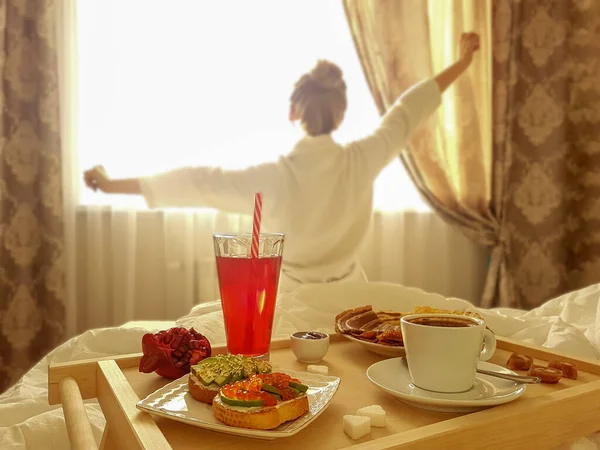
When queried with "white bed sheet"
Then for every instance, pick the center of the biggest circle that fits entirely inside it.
(569, 324)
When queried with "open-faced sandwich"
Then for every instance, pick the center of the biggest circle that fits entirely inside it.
(211, 374)
(262, 401)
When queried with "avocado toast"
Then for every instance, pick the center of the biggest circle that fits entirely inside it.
(211, 374)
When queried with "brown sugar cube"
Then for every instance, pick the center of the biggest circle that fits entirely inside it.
(519, 362)
(534, 366)
(568, 370)
(546, 374)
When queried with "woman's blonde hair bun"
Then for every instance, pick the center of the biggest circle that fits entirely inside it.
(327, 75)
(319, 99)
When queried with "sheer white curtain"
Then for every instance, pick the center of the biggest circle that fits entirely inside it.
(66, 35)
(160, 84)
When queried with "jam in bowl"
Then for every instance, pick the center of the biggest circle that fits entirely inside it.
(311, 335)
(309, 346)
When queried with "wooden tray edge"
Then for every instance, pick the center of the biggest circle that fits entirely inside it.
(84, 371)
(480, 430)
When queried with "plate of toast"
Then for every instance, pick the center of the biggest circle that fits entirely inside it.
(243, 396)
(379, 331)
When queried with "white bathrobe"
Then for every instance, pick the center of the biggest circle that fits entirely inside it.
(320, 194)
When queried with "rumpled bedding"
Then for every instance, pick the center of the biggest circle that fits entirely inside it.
(570, 324)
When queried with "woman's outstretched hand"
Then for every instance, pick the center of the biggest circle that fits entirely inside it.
(96, 179)
(469, 44)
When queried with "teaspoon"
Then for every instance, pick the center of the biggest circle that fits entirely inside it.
(525, 379)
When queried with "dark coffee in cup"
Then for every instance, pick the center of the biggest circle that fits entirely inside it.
(440, 321)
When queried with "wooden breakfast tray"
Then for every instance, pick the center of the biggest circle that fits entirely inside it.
(544, 417)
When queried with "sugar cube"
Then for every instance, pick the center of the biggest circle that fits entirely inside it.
(374, 412)
(357, 426)
(321, 370)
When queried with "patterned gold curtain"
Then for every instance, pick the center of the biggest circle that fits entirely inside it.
(32, 288)
(546, 69)
(401, 42)
(531, 192)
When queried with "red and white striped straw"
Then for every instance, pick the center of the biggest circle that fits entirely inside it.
(256, 224)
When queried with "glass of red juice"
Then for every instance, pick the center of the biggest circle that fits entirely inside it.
(248, 290)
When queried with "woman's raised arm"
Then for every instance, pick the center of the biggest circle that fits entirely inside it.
(376, 151)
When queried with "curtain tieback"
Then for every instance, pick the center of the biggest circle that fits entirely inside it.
(501, 247)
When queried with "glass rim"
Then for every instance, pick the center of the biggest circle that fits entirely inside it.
(246, 235)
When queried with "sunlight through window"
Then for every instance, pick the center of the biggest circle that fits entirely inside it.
(165, 84)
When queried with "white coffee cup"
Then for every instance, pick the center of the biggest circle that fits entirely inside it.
(443, 350)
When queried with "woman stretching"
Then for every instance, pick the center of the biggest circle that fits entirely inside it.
(320, 193)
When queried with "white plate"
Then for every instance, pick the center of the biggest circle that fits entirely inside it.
(174, 402)
(392, 376)
(387, 351)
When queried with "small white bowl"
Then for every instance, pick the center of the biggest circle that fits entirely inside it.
(309, 350)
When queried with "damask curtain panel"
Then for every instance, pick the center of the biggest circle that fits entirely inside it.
(528, 189)
(32, 289)
(546, 66)
(401, 42)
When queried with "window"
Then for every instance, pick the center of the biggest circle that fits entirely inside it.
(164, 84)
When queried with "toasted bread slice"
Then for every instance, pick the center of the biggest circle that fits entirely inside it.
(200, 392)
(265, 418)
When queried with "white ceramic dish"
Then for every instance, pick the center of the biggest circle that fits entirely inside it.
(309, 351)
(387, 351)
(392, 376)
(174, 402)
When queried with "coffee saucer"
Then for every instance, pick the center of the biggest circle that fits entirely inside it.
(392, 376)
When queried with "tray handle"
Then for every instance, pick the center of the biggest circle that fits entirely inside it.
(76, 418)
